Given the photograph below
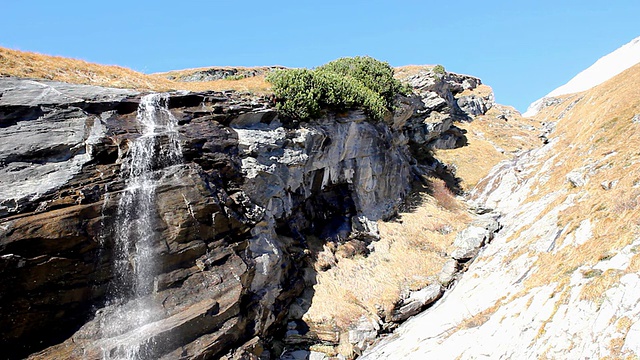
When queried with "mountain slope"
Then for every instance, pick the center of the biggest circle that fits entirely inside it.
(602, 70)
(561, 279)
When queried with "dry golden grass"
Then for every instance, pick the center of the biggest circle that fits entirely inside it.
(624, 324)
(596, 134)
(634, 264)
(594, 290)
(443, 196)
(38, 66)
(482, 317)
(482, 90)
(409, 255)
(490, 140)
(403, 72)
(255, 85)
(563, 299)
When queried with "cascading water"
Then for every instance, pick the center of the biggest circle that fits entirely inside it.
(131, 295)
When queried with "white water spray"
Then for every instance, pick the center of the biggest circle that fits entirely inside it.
(135, 254)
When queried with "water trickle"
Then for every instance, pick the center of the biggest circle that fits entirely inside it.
(103, 211)
(135, 242)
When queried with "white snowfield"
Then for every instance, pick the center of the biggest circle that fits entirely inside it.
(602, 70)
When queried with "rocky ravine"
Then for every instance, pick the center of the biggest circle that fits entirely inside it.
(231, 217)
(561, 279)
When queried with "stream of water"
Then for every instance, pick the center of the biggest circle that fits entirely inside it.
(135, 245)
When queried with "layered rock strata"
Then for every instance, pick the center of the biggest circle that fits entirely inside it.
(231, 219)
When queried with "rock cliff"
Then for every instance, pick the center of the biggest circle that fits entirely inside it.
(229, 220)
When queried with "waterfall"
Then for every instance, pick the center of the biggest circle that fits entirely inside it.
(135, 243)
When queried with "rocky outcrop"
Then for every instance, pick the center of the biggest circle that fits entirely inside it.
(469, 241)
(61, 136)
(439, 101)
(213, 74)
(231, 218)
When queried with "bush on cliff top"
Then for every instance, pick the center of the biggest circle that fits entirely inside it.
(343, 84)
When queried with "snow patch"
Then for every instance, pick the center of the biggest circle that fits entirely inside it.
(602, 70)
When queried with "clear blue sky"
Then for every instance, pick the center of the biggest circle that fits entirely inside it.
(522, 48)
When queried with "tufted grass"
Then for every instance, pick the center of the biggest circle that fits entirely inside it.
(411, 252)
(38, 66)
(487, 136)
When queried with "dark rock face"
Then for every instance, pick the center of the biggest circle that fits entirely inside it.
(61, 184)
(231, 219)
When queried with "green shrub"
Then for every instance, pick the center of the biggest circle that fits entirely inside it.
(439, 69)
(374, 74)
(342, 84)
(236, 77)
(295, 92)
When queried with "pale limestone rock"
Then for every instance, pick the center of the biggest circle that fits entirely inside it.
(482, 318)
(416, 301)
(363, 332)
(469, 241)
(576, 178)
(448, 272)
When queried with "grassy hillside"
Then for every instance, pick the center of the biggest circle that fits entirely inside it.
(496, 136)
(560, 279)
(597, 139)
(39, 66)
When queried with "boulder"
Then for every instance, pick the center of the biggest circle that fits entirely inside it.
(448, 272)
(474, 105)
(469, 241)
(362, 333)
(416, 302)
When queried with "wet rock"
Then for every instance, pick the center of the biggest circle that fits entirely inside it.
(56, 238)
